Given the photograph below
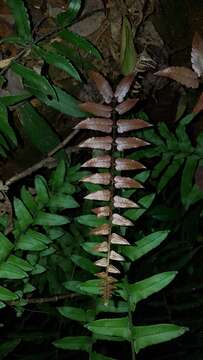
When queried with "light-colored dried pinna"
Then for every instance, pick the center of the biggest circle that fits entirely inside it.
(107, 121)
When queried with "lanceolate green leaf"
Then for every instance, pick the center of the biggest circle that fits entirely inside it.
(22, 22)
(34, 80)
(64, 103)
(7, 295)
(187, 179)
(170, 173)
(47, 219)
(65, 18)
(128, 56)
(11, 271)
(82, 343)
(23, 215)
(5, 247)
(145, 245)
(32, 241)
(84, 263)
(59, 61)
(144, 288)
(73, 313)
(96, 356)
(80, 42)
(91, 220)
(155, 334)
(37, 129)
(110, 327)
(5, 128)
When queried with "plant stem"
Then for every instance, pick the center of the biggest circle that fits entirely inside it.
(130, 320)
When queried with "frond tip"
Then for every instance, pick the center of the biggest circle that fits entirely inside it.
(106, 121)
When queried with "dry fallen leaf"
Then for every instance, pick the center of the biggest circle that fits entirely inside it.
(115, 256)
(122, 182)
(181, 74)
(197, 54)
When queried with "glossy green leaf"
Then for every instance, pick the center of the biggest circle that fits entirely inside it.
(161, 165)
(187, 179)
(145, 202)
(96, 356)
(144, 288)
(170, 172)
(28, 200)
(8, 346)
(11, 271)
(58, 61)
(80, 42)
(38, 269)
(84, 263)
(7, 295)
(37, 129)
(5, 128)
(23, 215)
(34, 80)
(73, 313)
(128, 56)
(155, 334)
(62, 201)
(58, 176)
(64, 103)
(82, 343)
(21, 263)
(145, 245)
(181, 131)
(5, 247)
(42, 190)
(110, 327)
(21, 17)
(11, 100)
(91, 287)
(91, 220)
(33, 241)
(47, 219)
(65, 18)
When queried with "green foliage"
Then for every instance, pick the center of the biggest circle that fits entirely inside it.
(176, 153)
(35, 84)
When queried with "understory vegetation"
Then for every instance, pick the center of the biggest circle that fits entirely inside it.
(52, 244)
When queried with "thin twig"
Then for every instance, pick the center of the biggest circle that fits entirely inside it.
(49, 161)
(54, 298)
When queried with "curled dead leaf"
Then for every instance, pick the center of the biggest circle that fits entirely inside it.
(181, 74)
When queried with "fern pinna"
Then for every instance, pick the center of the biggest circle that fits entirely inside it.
(108, 121)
